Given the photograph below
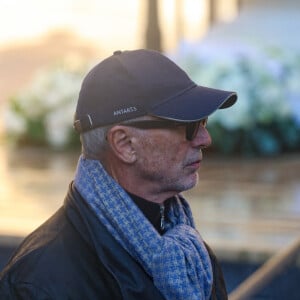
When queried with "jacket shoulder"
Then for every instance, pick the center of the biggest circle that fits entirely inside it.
(51, 263)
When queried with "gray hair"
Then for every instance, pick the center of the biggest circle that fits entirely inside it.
(94, 143)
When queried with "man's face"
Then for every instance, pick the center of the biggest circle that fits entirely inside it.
(167, 160)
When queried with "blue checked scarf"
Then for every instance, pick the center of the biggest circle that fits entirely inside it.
(177, 261)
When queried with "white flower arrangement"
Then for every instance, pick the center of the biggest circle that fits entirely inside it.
(42, 114)
(266, 118)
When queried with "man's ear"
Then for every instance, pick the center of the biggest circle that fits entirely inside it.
(120, 141)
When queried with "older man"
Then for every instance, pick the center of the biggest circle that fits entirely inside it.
(125, 231)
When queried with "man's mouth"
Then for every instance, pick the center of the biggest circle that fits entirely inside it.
(195, 164)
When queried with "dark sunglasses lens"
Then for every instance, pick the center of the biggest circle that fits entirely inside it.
(191, 130)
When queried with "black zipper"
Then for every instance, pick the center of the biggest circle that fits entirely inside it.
(162, 216)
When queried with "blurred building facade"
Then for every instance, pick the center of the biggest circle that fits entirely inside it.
(269, 22)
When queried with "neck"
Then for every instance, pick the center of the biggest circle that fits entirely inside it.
(154, 212)
(149, 193)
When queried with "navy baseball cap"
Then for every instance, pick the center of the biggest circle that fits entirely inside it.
(131, 84)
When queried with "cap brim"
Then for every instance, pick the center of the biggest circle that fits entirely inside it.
(194, 104)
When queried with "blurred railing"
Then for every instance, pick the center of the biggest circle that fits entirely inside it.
(266, 272)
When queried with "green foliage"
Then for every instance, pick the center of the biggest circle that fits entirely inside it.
(266, 118)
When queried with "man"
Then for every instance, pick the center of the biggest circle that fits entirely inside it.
(125, 231)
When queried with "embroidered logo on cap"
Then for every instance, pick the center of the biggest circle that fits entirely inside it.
(126, 110)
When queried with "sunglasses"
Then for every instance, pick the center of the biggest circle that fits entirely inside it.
(191, 128)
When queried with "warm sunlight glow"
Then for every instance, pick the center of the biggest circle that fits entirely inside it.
(101, 21)
(109, 24)
(227, 10)
(182, 19)
(195, 13)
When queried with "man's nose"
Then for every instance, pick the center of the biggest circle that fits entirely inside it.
(202, 138)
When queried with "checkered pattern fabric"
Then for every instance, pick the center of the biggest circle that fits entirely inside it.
(177, 261)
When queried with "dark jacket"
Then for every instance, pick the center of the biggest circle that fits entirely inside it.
(73, 256)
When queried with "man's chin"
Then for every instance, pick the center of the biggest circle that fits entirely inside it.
(192, 181)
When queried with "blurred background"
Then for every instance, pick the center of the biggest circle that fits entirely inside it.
(247, 203)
